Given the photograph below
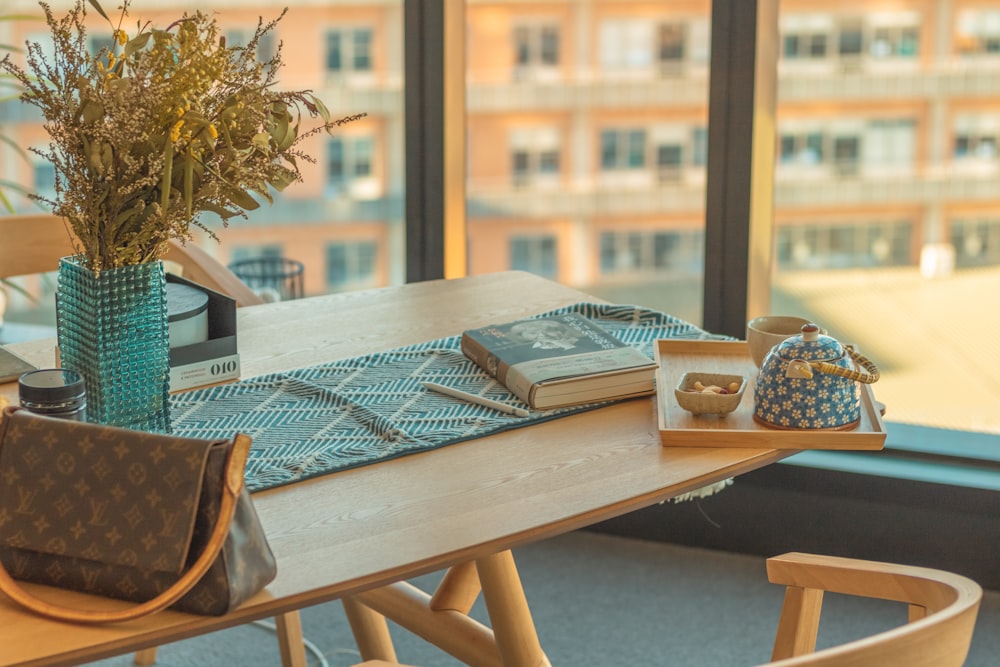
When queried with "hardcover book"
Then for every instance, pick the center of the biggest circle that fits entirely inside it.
(559, 361)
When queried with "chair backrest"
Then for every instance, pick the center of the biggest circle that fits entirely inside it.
(31, 244)
(200, 267)
(942, 612)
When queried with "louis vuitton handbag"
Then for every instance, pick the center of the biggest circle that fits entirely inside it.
(154, 519)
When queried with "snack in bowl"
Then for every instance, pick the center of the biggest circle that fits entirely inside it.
(710, 393)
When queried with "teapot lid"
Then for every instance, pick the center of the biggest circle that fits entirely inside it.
(810, 345)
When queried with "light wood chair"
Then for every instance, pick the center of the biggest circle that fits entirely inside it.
(198, 266)
(31, 244)
(942, 612)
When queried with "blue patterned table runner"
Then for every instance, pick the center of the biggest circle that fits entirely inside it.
(343, 414)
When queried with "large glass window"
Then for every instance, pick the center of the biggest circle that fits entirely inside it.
(977, 31)
(351, 56)
(592, 169)
(886, 204)
(602, 186)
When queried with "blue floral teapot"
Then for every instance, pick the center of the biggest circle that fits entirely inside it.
(810, 381)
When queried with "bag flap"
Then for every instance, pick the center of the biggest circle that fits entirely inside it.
(97, 492)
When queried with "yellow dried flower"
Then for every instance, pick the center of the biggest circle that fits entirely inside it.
(165, 88)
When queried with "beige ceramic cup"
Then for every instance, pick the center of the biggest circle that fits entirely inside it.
(766, 331)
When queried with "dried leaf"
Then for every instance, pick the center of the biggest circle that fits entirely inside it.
(135, 44)
(100, 10)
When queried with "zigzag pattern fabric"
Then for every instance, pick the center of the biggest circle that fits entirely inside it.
(343, 414)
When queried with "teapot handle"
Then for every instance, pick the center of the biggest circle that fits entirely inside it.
(868, 376)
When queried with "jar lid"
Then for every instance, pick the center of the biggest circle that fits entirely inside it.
(50, 384)
(184, 301)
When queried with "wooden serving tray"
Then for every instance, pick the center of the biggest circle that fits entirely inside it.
(679, 428)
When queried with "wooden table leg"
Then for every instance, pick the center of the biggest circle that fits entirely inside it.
(458, 589)
(509, 614)
(371, 632)
(145, 657)
(290, 642)
(443, 620)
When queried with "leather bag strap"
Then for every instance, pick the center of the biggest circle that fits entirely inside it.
(235, 465)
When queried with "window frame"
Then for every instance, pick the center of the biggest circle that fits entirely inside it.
(738, 196)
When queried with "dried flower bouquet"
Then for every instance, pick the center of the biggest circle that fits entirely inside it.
(160, 126)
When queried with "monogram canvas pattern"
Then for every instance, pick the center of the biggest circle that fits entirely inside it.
(342, 414)
(143, 507)
(128, 499)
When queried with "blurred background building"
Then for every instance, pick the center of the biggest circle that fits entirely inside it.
(586, 155)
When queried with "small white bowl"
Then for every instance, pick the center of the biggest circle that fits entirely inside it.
(700, 403)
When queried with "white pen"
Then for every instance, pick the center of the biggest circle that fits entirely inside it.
(478, 400)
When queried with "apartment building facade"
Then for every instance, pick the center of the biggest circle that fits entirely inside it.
(587, 137)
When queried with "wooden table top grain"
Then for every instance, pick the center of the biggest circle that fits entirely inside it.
(363, 528)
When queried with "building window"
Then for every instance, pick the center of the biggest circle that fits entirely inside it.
(978, 32)
(536, 254)
(850, 41)
(266, 45)
(976, 137)
(645, 252)
(626, 45)
(44, 178)
(974, 146)
(529, 167)
(534, 155)
(351, 265)
(349, 50)
(843, 245)
(536, 46)
(671, 43)
(846, 155)
(669, 160)
(880, 36)
(881, 147)
(801, 148)
(349, 164)
(895, 42)
(623, 149)
(699, 146)
(977, 242)
(805, 46)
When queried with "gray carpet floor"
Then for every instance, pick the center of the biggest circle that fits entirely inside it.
(603, 601)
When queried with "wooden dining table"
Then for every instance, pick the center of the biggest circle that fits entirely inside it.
(357, 535)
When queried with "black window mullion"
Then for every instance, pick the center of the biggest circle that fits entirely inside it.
(423, 25)
(739, 200)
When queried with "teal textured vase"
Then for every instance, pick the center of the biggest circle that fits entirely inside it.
(112, 329)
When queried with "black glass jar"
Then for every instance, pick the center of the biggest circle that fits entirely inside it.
(56, 392)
